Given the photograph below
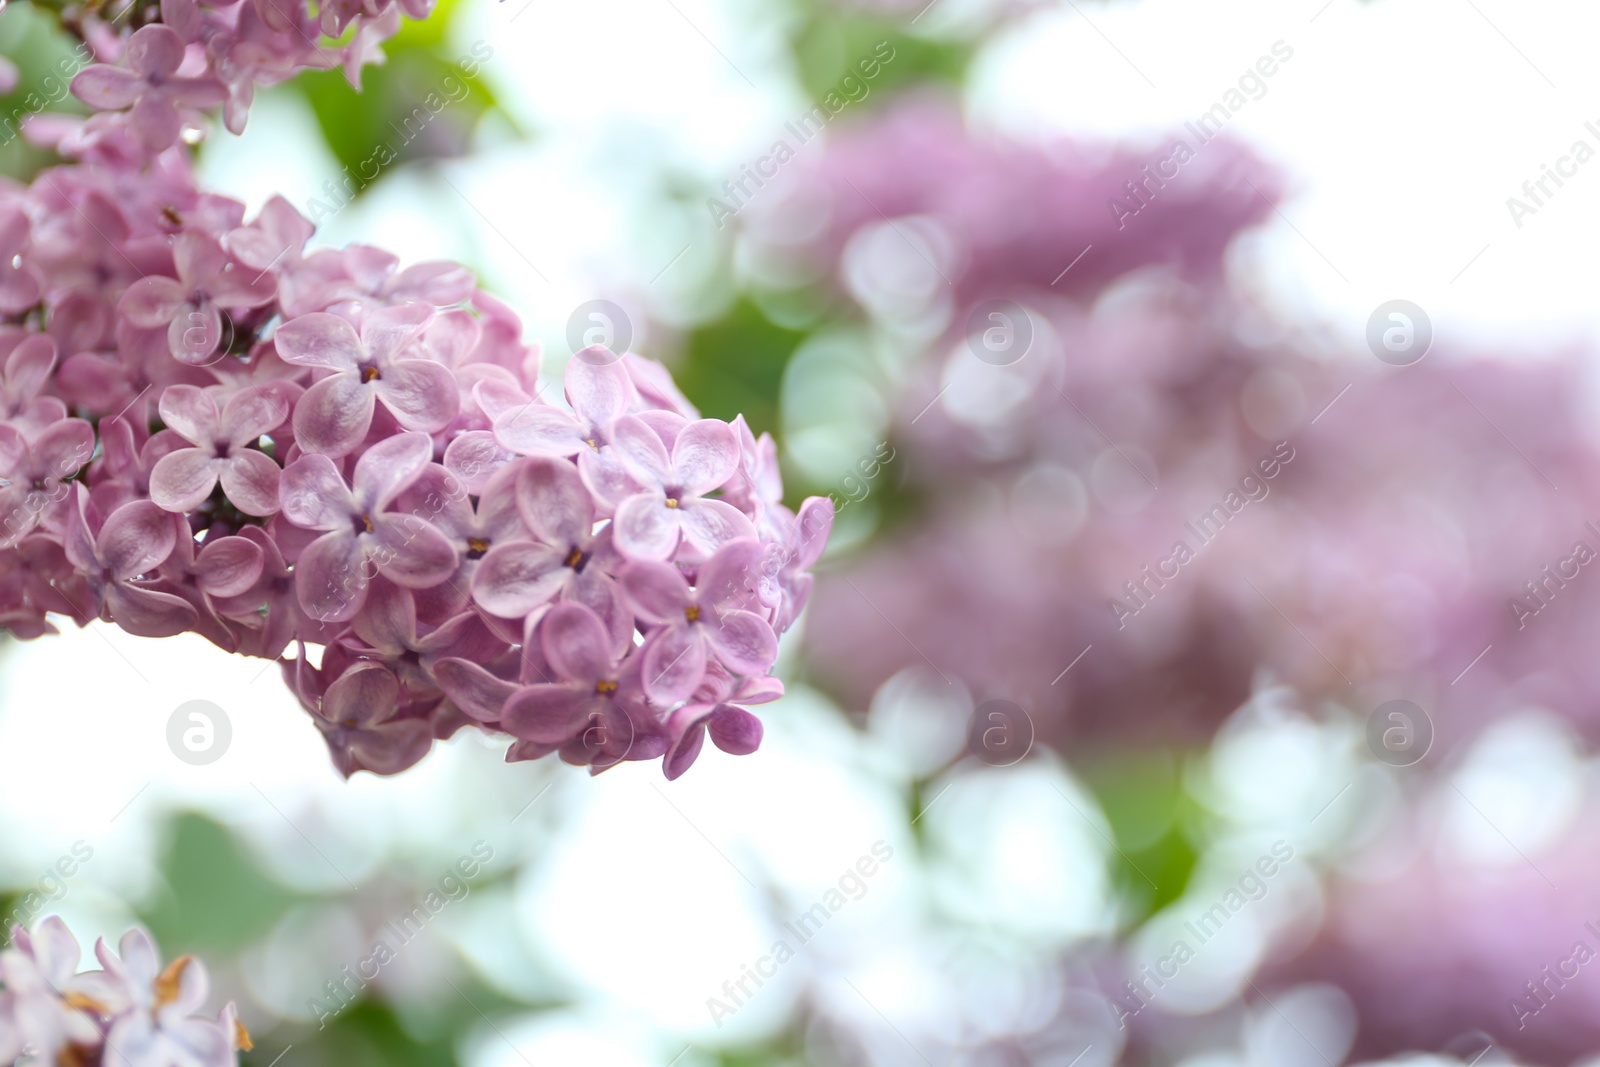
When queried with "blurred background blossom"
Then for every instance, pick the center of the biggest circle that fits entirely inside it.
(1156, 759)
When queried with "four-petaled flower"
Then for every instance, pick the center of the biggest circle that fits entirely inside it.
(475, 527)
(357, 718)
(133, 541)
(149, 85)
(190, 307)
(155, 1008)
(672, 501)
(518, 577)
(182, 480)
(23, 374)
(596, 714)
(599, 390)
(387, 630)
(331, 576)
(335, 414)
(714, 619)
(33, 476)
(44, 994)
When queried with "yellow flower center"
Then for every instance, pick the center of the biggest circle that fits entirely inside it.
(84, 1003)
(605, 687)
(171, 979)
(692, 612)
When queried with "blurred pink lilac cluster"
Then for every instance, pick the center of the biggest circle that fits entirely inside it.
(205, 427)
(1171, 501)
(131, 1013)
(992, 217)
(1167, 483)
(1435, 942)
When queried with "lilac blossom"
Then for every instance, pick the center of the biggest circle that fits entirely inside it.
(326, 455)
(23, 375)
(330, 576)
(359, 716)
(718, 709)
(148, 85)
(43, 996)
(33, 474)
(191, 308)
(599, 390)
(713, 620)
(475, 529)
(388, 631)
(595, 706)
(337, 411)
(133, 1012)
(183, 479)
(672, 501)
(520, 575)
(116, 561)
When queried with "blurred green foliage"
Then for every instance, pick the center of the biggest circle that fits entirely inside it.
(367, 1034)
(1151, 817)
(218, 900)
(828, 45)
(735, 364)
(786, 1048)
(44, 54)
(422, 103)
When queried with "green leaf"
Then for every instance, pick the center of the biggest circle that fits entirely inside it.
(420, 104)
(429, 33)
(735, 365)
(368, 1034)
(219, 900)
(45, 57)
(829, 48)
(1142, 795)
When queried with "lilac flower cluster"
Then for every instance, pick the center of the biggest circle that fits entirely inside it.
(161, 67)
(1417, 544)
(1393, 541)
(988, 216)
(131, 1013)
(206, 427)
(1423, 925)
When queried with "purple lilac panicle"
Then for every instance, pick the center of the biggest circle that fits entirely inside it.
(1343, 528)
(207, 427)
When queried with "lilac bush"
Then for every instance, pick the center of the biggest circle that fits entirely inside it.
(132, 1012)
(206, 427)
(1397, 529)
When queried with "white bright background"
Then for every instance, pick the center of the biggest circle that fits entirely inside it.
(1404, 124)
